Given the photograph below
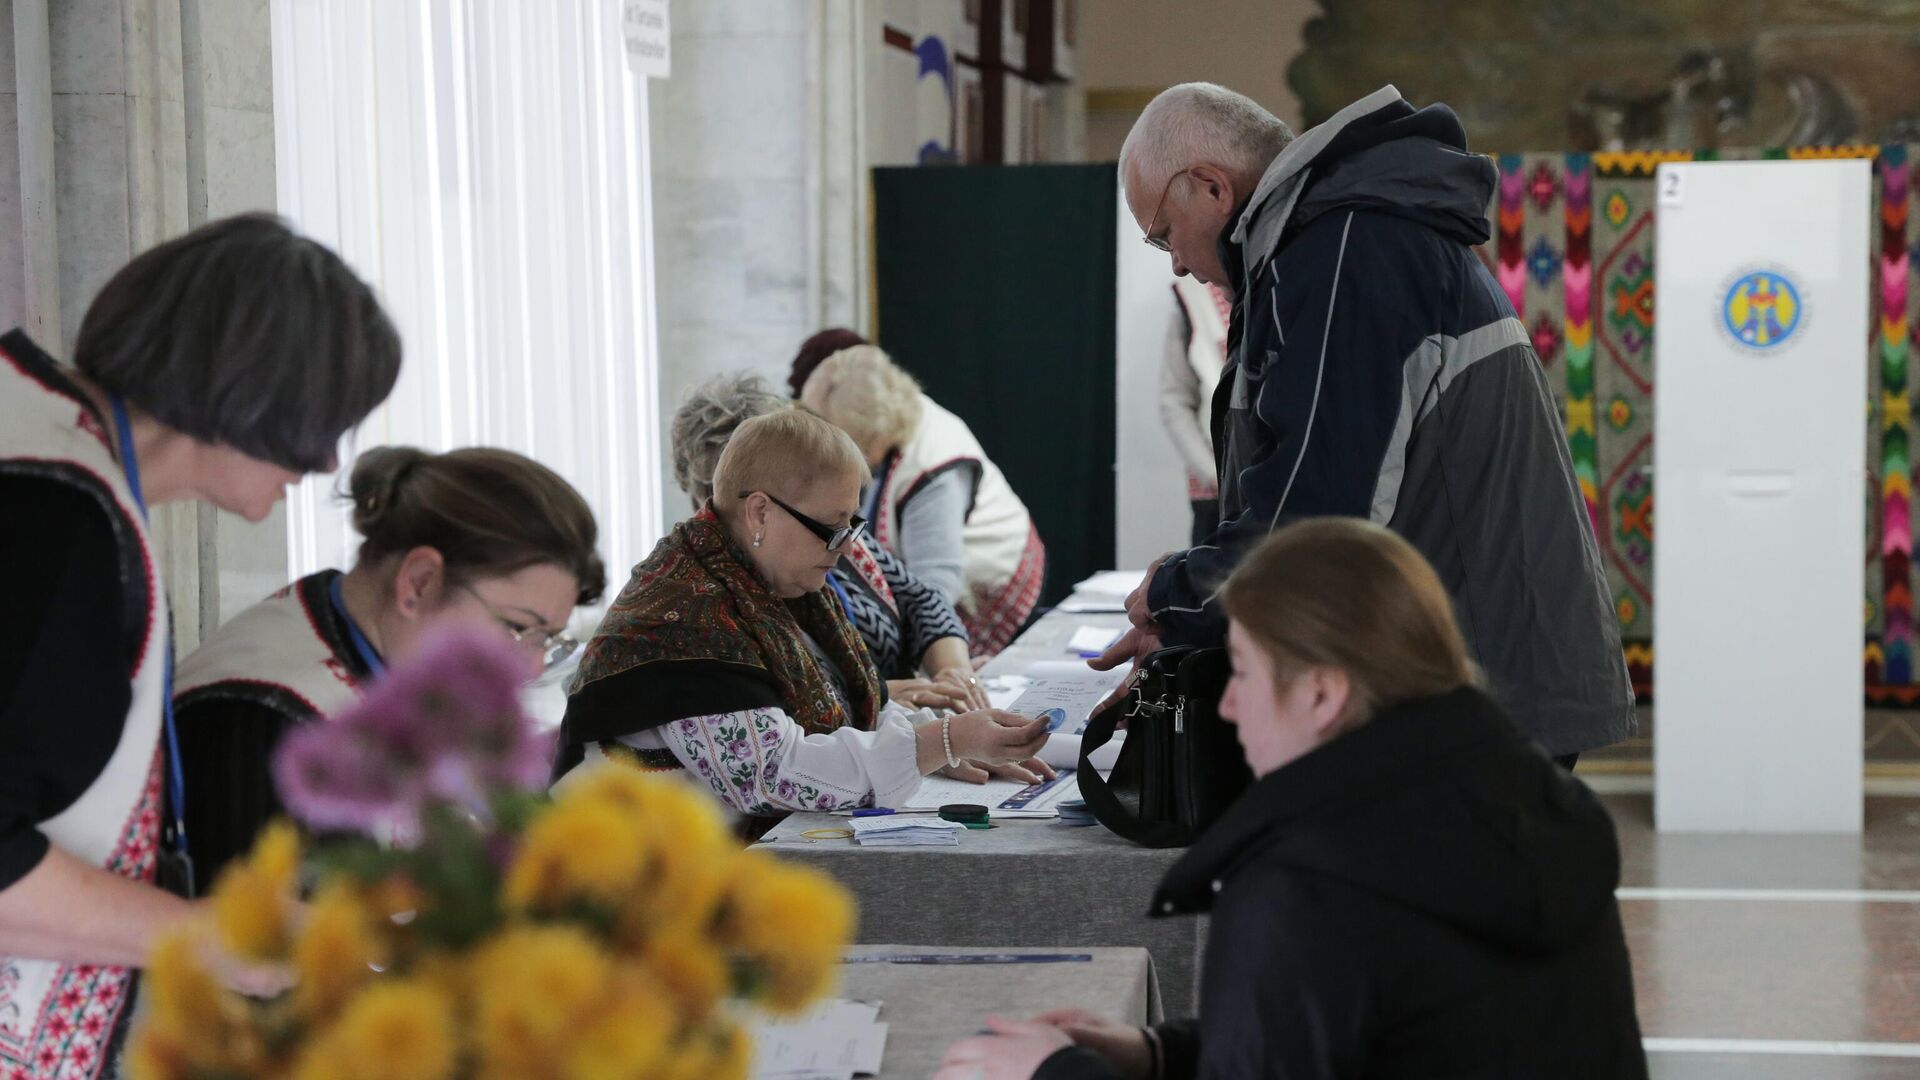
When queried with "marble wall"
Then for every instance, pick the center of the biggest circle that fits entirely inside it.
(732, 212)
(236, 135)
(762, 141)
(121, 140)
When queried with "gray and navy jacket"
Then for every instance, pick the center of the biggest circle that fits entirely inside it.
(1377, 370)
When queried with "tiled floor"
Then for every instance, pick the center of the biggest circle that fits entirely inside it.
(1787, 944)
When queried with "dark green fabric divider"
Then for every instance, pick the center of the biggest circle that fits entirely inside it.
(996, 290)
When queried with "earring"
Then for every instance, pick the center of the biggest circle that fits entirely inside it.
(756, 539)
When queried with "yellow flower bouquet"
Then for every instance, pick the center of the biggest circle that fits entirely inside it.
(451, 921)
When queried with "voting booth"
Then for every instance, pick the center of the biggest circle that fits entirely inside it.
(1760, 414)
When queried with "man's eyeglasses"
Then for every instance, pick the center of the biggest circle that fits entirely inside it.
(555, 645)
(1161, 243)
(834, 536)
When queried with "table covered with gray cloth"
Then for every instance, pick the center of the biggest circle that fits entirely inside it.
(1022, 883)
(927, 1006)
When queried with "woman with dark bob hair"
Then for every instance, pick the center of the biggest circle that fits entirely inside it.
(477, 536)
(222, 366)
(1411, 889)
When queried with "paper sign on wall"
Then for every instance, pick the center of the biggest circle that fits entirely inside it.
(649, 45)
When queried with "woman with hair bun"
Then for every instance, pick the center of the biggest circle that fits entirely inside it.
(478, 535)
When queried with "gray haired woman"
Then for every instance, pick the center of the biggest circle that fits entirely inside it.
(908, 626)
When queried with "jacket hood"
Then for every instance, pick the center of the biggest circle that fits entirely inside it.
(1379, 153)
(1441, 806)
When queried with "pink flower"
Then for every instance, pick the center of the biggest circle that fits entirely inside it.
(460, 690)
(444, 727)
(332, 778)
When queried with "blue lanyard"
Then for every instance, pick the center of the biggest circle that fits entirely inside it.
(176, 777)
(833, 579)
(360, 643)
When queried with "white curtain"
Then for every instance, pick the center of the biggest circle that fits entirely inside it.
(484, 164)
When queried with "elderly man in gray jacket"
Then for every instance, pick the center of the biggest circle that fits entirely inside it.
(1377, 370)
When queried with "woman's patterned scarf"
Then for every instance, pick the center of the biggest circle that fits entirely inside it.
(698, 598)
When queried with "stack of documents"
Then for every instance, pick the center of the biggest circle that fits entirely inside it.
(836, 1041)
(900, 830)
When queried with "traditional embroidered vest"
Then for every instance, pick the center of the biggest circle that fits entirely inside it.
(61, 1020)
(1005, 561)
(277, 653)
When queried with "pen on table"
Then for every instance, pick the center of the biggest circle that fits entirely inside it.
(872, 811)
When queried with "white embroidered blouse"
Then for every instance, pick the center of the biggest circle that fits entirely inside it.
(758, 761)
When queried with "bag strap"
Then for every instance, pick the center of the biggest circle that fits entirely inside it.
(1107, 807)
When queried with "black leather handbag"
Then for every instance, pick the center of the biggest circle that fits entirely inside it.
(1180, 766)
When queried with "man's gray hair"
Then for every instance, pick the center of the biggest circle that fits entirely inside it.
(1200, 123)
(706, 419)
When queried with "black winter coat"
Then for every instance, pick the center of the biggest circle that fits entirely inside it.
(1428, 896)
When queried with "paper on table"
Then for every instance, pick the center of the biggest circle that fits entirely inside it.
(1092, 640)
(1063, 752)
(894, 823)
(1058, 669)
(1096, 604)
(1002, 694)
(895, 830)
(1075, 689)
(838, 1039)
(1119, 583)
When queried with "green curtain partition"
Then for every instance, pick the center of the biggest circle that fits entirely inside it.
(996, 290)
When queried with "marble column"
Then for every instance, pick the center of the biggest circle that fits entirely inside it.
(731, 198)
(120, 185)
(244, 562)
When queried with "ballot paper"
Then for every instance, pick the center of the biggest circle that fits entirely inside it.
(899, 830)
(837, 1040)
(1004, 690)
(1073, 688)
(1066, 691)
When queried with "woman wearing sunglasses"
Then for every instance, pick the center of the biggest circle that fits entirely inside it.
(912, 632)
(478, 535)
(727, 656)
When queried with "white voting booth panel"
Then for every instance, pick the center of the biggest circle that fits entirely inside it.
(1759, 420)
(1151, 515)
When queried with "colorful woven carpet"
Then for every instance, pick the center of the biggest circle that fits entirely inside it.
(1574, 251)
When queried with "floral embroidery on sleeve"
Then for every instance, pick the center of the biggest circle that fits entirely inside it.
(739, 756)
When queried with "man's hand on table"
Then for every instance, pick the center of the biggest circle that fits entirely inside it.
(1124, 1047)
(1013, 1052)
